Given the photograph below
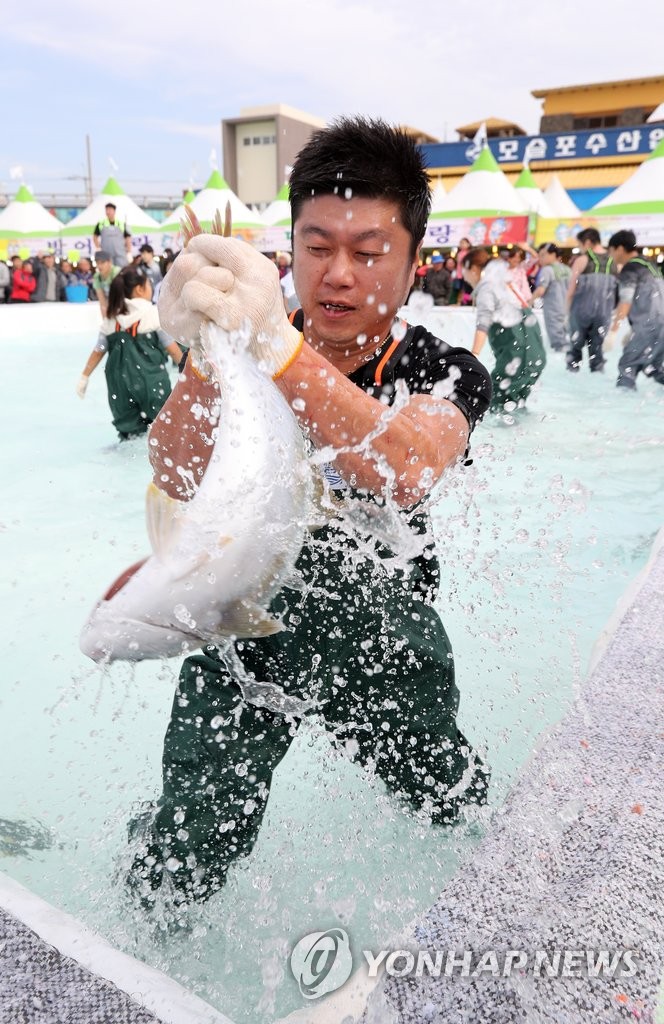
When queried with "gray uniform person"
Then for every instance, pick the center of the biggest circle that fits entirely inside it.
(552, 284)
(641, 300)
(591, 299)
(113, 237)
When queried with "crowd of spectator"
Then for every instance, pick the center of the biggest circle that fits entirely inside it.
(45, 278)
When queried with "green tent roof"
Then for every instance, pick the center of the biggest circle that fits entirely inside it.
(216, 180)
(111, 188)
(525, 179)
(24, 195)
(486, 161)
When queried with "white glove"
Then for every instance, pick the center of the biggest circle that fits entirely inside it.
(229, 282)
(82, 385)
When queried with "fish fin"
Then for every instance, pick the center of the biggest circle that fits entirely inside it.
(162, 519)
(223, 228)
(247, 618)
(190, 225)
(294, 582)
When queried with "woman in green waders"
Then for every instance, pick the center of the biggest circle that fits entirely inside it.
(136, 377)
(503, 316)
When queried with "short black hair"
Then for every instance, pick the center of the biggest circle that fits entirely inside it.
(146, 248)
(106, 206)
(358, 156)
(549, 247)
(624, 238)
(589, 235)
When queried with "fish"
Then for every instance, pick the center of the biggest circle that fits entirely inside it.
(219, 558)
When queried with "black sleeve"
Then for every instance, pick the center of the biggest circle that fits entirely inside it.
(127, 234)
(452, 373)
(97, 231)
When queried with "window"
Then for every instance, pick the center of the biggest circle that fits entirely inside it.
(590, 123)
(246, 141)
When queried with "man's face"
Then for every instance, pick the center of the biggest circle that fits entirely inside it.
(352, 268)
(49, 261)
(84, 265)
(146, 257)
(545, 258)
(110, 213)
(618, 254)
(104, 267)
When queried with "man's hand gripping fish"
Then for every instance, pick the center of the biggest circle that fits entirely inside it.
(219, 558)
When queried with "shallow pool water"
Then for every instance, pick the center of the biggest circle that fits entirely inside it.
(538, 539)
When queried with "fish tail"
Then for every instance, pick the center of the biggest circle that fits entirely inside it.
(191, 226)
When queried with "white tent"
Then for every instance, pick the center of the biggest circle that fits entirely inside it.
(127, 212)
(643, 192)
(214, 197)
(558, 200)
(278, 213)
(531, 194)
(172, 222)
(484, 191)
(438, 198)
(24, 217)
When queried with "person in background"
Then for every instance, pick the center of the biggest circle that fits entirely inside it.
(5, 281)
(24, 281)
(291, 301)
(641, 301)
(84, 275)
(67, 270)
(504, 318)
(461, 290)
(16, 263)
(136, 376)
(551, 287)
(150, 266)
(437, 281)
(112, 237)
(51, 282)
(166, 260)
(166, 264)
(103, 279)
(520, 259)
(366, 643)
(591, 299)
(284, 261)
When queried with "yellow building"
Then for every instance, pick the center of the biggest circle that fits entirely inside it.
(591, 136)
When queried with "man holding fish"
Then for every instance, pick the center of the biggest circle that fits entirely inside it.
(386, 408)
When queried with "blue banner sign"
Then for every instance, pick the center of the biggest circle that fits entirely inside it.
(607, 142)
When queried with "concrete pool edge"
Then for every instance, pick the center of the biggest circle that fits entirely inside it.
(110, 978)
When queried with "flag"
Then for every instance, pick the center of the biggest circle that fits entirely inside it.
(480, 140)
(16, 172)
(212, 160)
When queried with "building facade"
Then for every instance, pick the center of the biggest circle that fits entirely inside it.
(259, 148)
(591, 136)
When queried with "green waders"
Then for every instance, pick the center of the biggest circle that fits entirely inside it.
(137, 381)
(373, 654)
(520, 359)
